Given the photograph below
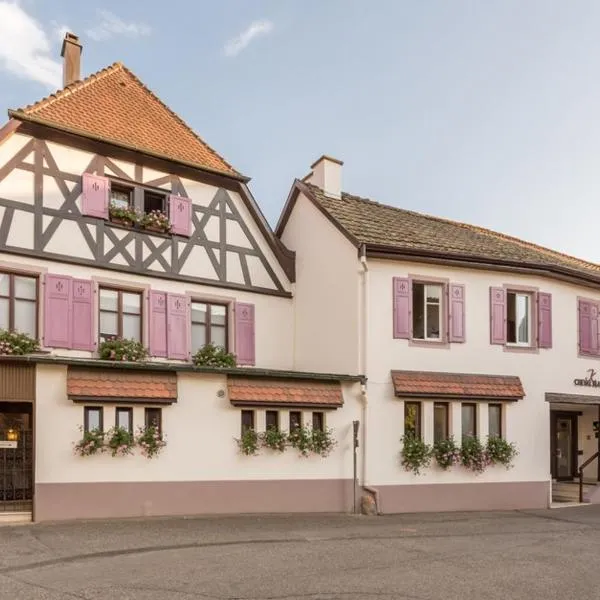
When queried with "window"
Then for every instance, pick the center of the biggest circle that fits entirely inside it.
(295, 420)
(412, 419)
(120, 195)
(427, 311)
(469, 420)
(440, 421)
(495, 420)
(93, 418)
(18, 303)
(120, 314)
(154, 201)
(318, 421)
(247, 420)
(272, 420)
(209, 325)
(124, 418)
(518, 318)
(153, 418)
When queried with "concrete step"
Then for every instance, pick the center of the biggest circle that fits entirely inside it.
(569, 492)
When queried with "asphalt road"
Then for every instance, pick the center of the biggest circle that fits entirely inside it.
(504, 556)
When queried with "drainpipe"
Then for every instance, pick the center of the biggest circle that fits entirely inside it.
(363, 368)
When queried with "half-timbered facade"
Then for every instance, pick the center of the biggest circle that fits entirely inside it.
(75, 275)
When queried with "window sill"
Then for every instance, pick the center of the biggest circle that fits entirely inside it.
(139, 229)
(429, 344)
(522, 349)
(586, 355)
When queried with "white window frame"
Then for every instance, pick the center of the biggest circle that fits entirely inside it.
(442, 288)
(529, 296)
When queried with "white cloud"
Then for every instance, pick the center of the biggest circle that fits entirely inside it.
(58, 30)
(111, 25)
(25, 47)
(256, 29)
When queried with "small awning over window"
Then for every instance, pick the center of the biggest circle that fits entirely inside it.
(284, 392)
(572, 399)
(457, 386)
(102, 385)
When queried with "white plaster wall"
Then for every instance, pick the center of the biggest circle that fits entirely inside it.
(200, 428)
(527, 422)
(326, 295)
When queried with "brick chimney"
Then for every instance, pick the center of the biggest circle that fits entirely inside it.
(71, 53)
(327, 174)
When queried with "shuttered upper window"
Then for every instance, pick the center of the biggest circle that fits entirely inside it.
(588, 311)
(120, 314)
(209, 325)
(18, 303)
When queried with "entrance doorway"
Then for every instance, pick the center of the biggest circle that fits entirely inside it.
(564, 446)
(16, 457)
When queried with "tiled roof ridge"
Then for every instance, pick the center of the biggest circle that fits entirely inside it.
(468, 226)
(32, 109)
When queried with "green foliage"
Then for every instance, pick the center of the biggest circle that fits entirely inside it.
(91, 443)
(213, 356)
(274, 439)
(501, 452)
(124, 214)
(322, 441)
(416, 454)
(248, 443)
(473, 455)
(120, 441)
(15, 343)
(446, 453)
(150, 441)
(122, 350)
(301, 439)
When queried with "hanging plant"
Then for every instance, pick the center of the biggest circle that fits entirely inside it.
(274, 439)
(473, 455)
(120, 441)
(322, 441)
(249, 442)
(15, 343)
(501, 452)
(150, 441)
(415, 455)
(301, 439)
(213, 356)
(91, 443)
(446, 453)
(122, 350)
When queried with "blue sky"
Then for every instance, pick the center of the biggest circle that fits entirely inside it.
(484, 112)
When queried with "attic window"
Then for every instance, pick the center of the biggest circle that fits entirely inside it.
(154, 201)
(120, 195)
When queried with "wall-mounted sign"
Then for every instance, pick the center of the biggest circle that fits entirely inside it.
(8, 444)
(589, 381)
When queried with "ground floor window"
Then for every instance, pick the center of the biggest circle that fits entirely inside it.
(93, 417)
(441, 418)
(153, 418)
(272, 420)
(247, 420)
(318, 421)
(495, 420)
(295, 420)
(412, 419)
(124, 418)
(469, 420)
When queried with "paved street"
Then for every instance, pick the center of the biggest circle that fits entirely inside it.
(541, 554)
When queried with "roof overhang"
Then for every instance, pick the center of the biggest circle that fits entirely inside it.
(556, 398)
(283, 393)
(457, 386)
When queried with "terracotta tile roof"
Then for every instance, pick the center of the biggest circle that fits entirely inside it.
(369, 222)
(115, 106)
(429, 384)
(265, 392)
(112, 384)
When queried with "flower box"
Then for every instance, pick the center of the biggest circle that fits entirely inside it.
(155, 228)
(123, 222)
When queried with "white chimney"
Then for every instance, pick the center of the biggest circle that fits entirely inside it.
(71, 53)
(327, 175)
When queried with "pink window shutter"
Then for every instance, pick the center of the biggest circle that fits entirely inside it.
(57, 311)
(245, 343)
(402, 307)
(178, 324)
(585, 327)
(456, 302)
(594, 328)
(497, 315)
(95, 196)
(544, 320)
(180, 214)
(158, 323)
(82, 315)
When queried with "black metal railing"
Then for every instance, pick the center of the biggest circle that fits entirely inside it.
(589, 461)
(16, 470)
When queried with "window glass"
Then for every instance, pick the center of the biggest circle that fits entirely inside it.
(131, 303)
(217, 335)
(4, 284)
(495, 420)
(247, 420)
(132, 327)
(418, 308)
(153, 418)
(25, 288)
(92, 418)
(199, 311)
(218, 314)
(427, 310)
(109, 325)
(198, 337)
(120, 196)
(518, 319)
(109, 300)
(318, 421)
(272, 419)
(469, 420)
(295, 420)
(440, 421)
(412, 419)
(4, 313)
(123, 417)
(25, 317)
(153, 201)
